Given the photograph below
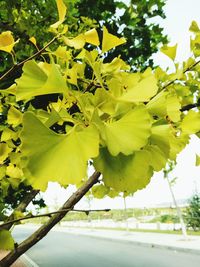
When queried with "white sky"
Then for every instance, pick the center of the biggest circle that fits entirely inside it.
(180, 14)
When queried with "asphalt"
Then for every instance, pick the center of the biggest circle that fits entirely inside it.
(191, 244)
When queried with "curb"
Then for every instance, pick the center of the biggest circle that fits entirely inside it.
(140, 243)
(29, 263)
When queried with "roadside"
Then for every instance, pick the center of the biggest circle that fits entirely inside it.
(167, 241)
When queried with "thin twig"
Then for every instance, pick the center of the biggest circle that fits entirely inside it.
(18, 65)
(49, 215)
(187, 69)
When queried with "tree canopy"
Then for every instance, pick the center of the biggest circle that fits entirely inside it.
(126, 124)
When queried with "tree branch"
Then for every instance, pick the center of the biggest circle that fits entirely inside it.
(21, 207)
(44, 229)
(187, 69)
(18, 65)
(49, 215)
(190, 106)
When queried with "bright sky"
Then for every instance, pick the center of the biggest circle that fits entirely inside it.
(180, 14)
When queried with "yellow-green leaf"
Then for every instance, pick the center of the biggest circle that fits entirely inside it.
(92, 37)
(197, 160)
(142, 91)
(110, 41)
(14, 116)
(124, 173)
(54, 157)
(78, 42)
(4, 152)
(128, 134)
(35, 81)
(6, 240)
(169, 51)
(7, 41)
(173, 108)
(194, 27)
(191, 122)
(62, 9)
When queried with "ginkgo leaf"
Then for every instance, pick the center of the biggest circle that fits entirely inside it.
(7, 41)
(124, 173)
(157, 159)
(4, 152)
(194, 27)
(157, 105)
(128, 134)
(13, 171)
(33, 40)
(169, 51)
(110, 41)
(56, 157)
(191, 122)
(100, 191)
(62, 9)
(173, 108)
(92, 37)
(177, 144)
(78, 42)
(2, 171)
(197, 160)
(161, 137)
(35, 81)
(6, 240)
(14, 116)
(142, 91)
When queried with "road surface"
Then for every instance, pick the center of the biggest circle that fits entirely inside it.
(59, 249)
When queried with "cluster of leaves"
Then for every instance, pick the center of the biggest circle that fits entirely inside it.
(192, 214)
(25, 20)
(126, 124)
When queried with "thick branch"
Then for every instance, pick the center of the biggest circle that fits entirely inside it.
(44, 229)
(21, 207)
(18, 65)
(49, 214)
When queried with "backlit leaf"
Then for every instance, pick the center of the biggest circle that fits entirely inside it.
(92, 37)
(191, 122)
(142, 91)
(56, 157)
(6, 240)
(110, 41)
(169, 51)
(124, 173)
(194, 27)
(35, 81)
(197, 160)
(128, 134)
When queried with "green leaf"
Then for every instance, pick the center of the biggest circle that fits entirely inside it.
(157, 158)
(110, 41)
(61, 13)
(194, 27)
(14, 116)
(4, 152)
(128, 134)
(169, 51)
(6, 240)
(100, 191)
(54, 157)
(173, 108)
(124, 173)
(161, 136)
(177, 144)
(191, 122)
(35, 81)
(142, 91)
(197, 160)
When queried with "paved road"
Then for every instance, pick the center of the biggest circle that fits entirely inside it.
(70, 250)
